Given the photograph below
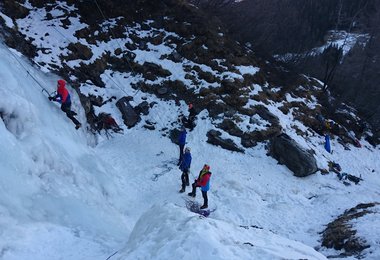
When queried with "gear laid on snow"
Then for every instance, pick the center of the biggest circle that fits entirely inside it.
(195, 207)
(63, 97)
(335, 167)
(345, 176)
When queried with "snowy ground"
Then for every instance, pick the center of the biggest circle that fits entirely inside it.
(65, 194)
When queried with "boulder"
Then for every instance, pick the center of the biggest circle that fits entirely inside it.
(214, 137)
(143, 45)
(130, 117)
(230, 127)
(174, 135)
(14, 9)
(162, 91)
(215, 108)
(264, 113)
(153, 70)
(143, 108)
(130, 46)
(148, 125)
(95, 100)
(207, 76)
(286, 151)
(118, 51)
(230, 112)
(157, 40)
(176, 57)
(229, 87)
(250, 139)
(79, 51)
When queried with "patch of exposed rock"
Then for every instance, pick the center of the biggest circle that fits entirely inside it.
(340, 235)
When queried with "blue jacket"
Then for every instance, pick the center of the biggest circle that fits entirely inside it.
(206, 187)
(186, 162)
(182, 137)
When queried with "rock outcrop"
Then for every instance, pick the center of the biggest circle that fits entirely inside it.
(286, 151)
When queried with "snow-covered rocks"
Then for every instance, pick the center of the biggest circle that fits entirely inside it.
(349, 232)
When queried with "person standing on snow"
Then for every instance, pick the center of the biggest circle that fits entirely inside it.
(63, 97)
(190, 119)
(203, 181)
(185, 168)
(181, 143)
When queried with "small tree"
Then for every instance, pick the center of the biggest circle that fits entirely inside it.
(331, 58)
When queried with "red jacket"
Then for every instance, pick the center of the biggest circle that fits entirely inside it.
(204, 181)
(62, 92)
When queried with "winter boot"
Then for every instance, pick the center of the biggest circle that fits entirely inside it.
(191, 194)
(182, 190)
(78, 126)
(204, 207)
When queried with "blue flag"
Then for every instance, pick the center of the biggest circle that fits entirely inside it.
(327, 143)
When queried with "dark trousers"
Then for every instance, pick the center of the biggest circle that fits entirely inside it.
(205, 199)
(190, 122)
(204, 193)
(181, 147)
(194, 186)
(185, 178)
(66, 107)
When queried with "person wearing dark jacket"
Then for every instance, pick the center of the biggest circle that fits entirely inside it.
(181, 143)
(191, 118)
(63, 97)
(203, 182)
(107, 122)
(185, 168)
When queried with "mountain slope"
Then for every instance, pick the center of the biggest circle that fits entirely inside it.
(57, 193)
(97, 193)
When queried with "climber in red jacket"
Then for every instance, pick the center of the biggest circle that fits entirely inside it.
(63, 97)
